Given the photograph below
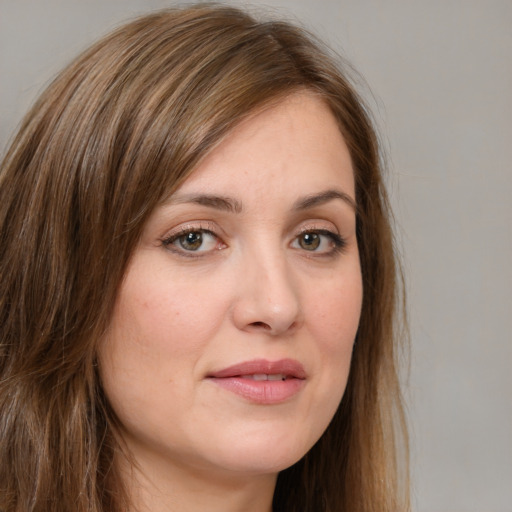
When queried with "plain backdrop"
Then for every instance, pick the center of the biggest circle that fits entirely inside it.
(440, 85)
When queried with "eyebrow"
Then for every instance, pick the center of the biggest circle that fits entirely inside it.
(231, 205)
(211, 201)
(323, 197)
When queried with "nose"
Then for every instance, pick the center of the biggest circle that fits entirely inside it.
(267, 298)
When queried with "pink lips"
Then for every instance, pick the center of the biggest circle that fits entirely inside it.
(261, 381)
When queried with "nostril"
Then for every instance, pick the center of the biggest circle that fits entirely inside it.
(261, 325)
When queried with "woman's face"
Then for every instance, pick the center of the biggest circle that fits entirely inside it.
(230, 344)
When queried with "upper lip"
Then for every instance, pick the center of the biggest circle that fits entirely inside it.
(287, 367)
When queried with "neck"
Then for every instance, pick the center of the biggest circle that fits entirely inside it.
(159, 486)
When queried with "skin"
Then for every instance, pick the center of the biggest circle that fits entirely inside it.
(251, 289)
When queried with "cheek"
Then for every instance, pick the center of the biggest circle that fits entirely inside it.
(334, 320)
(335, 312)
(157, 334)
(165, 316)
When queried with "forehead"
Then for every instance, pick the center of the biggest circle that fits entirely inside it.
(293, 143)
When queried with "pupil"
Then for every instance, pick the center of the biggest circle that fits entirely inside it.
(310, 241)
(192, 241)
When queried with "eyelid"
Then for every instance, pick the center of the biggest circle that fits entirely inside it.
(199, 225)
(333, 233)
(324, 228)
(205, 227)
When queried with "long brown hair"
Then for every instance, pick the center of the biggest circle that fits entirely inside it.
(117, 131)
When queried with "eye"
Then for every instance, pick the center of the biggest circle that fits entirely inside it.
(310, 241)
(320, 241)
(193, 241)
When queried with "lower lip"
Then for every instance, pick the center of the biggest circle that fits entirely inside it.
(264, 392)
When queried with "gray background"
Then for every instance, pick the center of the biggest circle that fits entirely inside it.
(441, 76)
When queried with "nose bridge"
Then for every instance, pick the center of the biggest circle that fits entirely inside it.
(269, 294)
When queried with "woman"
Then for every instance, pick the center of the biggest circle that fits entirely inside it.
(198, 281)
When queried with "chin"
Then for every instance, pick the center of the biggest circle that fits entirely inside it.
(264, 454)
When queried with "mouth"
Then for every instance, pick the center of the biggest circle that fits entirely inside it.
(265, 376)
(262, 382)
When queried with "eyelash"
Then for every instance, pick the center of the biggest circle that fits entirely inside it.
(338, 242)
(169, 241)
